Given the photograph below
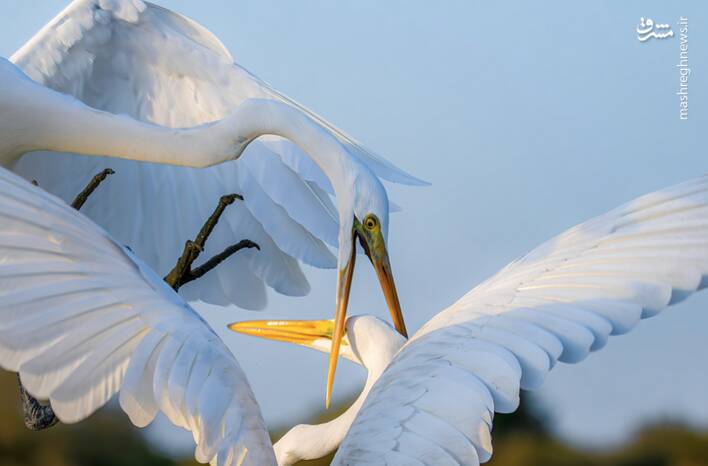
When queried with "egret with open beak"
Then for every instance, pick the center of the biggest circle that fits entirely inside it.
(370, 236)
(327, 332)
(363, 208)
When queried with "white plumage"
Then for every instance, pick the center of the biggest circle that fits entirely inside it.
(81, 319)
(558, 303)
(133, 58)
(431, 400)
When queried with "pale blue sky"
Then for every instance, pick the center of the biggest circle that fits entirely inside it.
(527, 119)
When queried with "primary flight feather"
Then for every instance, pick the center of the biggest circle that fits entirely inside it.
(149, 64)
(162, 96)
(82, 318)
(431, 400)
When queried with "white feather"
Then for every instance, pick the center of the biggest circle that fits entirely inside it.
(559, 302)
(140, 60)
(114, 326)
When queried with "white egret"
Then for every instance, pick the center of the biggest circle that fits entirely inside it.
(116, 78)
(431, 400)
(82, 318)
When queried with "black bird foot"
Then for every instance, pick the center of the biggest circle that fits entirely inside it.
(183, 272)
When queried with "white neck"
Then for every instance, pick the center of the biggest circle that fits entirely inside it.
(308, 442)
(305, 441)
(34, 117)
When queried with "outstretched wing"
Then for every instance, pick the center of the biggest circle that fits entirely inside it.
(135, 58)
(82, 319)
(435, 402)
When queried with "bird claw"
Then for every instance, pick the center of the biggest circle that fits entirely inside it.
(247, 243)
(230, 198)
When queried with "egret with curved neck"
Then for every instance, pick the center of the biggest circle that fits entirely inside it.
(34, 117)
(367, 341)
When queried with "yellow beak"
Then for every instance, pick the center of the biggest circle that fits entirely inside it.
(316, 334)
(344, 284)
(311, 333)
(379, 259)
(319, 333)
(383, 271)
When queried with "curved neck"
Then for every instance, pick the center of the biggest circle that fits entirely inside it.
(258, 117)
(305, 441)
(34, 117)
(308, 441)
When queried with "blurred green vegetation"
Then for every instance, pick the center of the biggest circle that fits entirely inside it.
(522, 438)
(106, 439)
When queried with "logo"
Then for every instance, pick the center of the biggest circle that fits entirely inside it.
(647, 29)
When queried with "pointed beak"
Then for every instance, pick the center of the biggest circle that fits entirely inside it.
(344, 284)
(310, 333)
(375, 249)
(388, 285)
(315, 334)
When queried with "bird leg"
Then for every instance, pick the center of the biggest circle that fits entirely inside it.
(38, 416)
(221, 257)
(183, 266)
(183, 272)
(90, 188)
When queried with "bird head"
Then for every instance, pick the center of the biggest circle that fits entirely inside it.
(367, 340)
(363, 210)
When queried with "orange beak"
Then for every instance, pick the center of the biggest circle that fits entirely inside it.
(379, 259)
(344, 284)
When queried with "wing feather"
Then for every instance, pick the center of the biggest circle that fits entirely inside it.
(111, 325)
(559, 302)
(141, 60)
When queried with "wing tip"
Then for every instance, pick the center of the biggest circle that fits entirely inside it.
(408, 180)
(398, 176)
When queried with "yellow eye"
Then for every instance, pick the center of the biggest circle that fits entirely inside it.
(370, 222)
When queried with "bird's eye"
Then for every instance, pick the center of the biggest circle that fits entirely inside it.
(370, 222)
